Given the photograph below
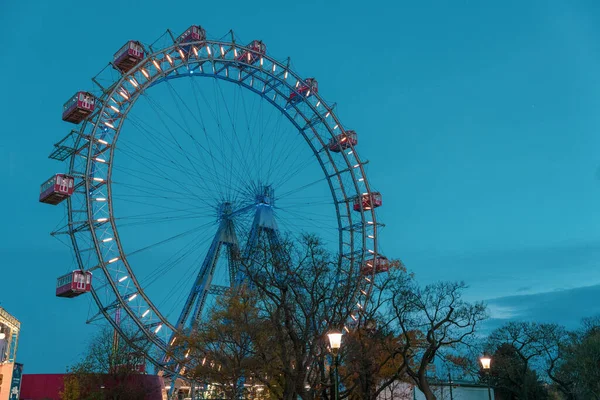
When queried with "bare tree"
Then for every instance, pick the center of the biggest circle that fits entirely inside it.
(555, 343)
(429, 321)
(521, 349)
(297, 292)
(371, 362)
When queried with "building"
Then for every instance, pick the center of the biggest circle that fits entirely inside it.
(50, 386)
(457, 390)
(10, 372)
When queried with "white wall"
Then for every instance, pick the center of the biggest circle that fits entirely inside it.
(404, 391)
(458, 393)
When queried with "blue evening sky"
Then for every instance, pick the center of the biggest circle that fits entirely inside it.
(480, 120)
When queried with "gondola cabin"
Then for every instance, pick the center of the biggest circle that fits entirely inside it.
(194, 33)
(56, 189)
(367, 202)
(131, 362)
(304, 89)
(128, 56)
(375, 265)
(250, 57)
(73, 284)
(343, 141)
(78, 107)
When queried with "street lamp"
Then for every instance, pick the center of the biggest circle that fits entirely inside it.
(335, 341)
(486, 362)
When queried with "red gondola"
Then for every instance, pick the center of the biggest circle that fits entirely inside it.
(250, 57)
(306, 88)
(194, 33)
(56, 189)
(368, 202)
(380, 263)
(78, 107)
(343, 141)
(73, 284)
(128, 56)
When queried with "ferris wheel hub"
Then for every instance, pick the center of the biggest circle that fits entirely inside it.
(265, 195)
(225, 210)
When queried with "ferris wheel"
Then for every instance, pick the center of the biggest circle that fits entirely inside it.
(186, 154)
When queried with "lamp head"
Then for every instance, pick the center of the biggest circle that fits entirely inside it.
(485, 362)
(335, 341)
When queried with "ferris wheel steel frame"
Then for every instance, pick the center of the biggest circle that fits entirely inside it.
(91, 224)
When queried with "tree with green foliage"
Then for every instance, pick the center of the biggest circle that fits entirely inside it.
(580, 367)
(517, 350)
(229, 344)
(107, 371)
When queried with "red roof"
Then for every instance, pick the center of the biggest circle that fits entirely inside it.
(49, 386)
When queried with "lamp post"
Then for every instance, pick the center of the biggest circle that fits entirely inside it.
(486, 362)
(335, 341)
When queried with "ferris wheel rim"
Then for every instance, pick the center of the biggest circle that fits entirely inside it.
(232, 45)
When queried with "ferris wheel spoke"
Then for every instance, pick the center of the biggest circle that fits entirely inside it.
(190, 256)
(295, 168)
(160, 185)
(188, 276)
(186, 155)
(226, 142)
(221, 167)
(168, 240)
(279, 151)
(160, 141)
(233, 120)
(298, 219)
(160, 270)
(219, 178)
(208, 148)
(162, 179)
(179, 102)
(318, 218)
(150, 193)
(169, 178)
(153, 164)
(249, 142)
(160, 220)
(155, 187)
(211, 143)
(301, 188)
(223, 132)
(190, 211)
(130, 199)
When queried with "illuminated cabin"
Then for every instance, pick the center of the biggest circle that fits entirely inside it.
(305, 89)
(132, 362)
(56, 189)
(375, 265)
(343, 141)
(367, 202)
(250, 57)
(78, 107)
(194, 33)
(73, 284)
(128, 56)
